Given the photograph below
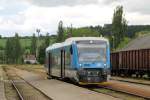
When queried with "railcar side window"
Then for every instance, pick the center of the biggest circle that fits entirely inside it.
(56, 60)
(68, 59)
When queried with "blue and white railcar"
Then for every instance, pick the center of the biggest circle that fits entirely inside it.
(85, 60)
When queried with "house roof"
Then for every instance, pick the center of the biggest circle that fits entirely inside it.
(142, 42)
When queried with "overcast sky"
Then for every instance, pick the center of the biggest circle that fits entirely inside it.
(24, 16)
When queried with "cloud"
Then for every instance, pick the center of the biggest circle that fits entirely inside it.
(1, 8)
(12, 7)
(24, 17)
(47, 19)
(106, 2)
(53, 3)
(138, 6)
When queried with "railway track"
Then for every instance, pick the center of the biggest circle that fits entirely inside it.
(132, 81)
(129, 93)
(17, 90)
(118, 91)
(24, 90)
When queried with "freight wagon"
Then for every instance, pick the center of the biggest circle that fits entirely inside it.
(131, 62)
(84, 60)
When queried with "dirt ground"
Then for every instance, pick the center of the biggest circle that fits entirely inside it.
(59, 90)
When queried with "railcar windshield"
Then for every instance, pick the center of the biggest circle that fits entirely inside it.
(92, 51)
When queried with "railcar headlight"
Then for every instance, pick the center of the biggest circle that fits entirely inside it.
(80, 65)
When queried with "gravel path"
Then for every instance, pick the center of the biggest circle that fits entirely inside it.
(2, 91)
(59, 90)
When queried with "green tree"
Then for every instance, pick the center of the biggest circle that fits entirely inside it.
(42, 48)
(8, 50)
(33, 45)
(13, 50)
(41, 54)
(17, 48)
(119, 25)
(60, 33)
(47, 39)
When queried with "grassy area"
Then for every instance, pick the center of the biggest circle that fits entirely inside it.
(125, 41)
(25, 42)
(2, 42)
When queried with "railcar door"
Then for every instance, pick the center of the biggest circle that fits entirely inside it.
(62, 63)
(56, 64)
(49, 62)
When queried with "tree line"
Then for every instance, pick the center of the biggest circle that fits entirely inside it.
(117, 29)
(13, 52)
(116, 32)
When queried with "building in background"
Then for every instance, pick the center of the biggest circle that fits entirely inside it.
(30, 59)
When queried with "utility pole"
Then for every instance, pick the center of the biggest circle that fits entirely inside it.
(38, 41)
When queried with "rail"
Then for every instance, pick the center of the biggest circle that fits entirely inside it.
(130, 93)
(17, 90)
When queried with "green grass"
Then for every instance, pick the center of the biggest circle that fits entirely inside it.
(123, 43)
(24, 42)
(2, 42)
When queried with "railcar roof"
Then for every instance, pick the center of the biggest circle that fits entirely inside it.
(85, 38)
(69, 41)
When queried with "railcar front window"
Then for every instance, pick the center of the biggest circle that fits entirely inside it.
(92, 52)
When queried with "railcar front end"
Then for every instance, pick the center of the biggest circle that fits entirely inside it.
(85, 60)
(93, 61)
